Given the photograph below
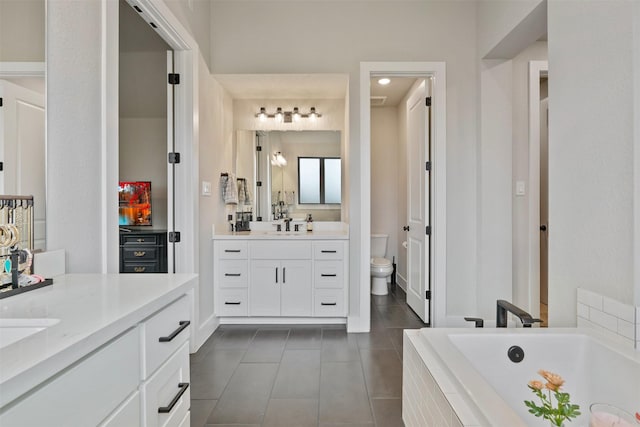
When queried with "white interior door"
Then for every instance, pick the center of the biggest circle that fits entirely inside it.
(418, 197)
(171, 180)
(22, 150)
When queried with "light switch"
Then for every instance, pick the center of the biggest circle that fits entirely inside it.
(206, 188)
(520, 188)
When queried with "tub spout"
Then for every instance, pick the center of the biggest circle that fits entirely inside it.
(503, 307)
(478, 321)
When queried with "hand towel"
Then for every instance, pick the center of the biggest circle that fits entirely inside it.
(229, 189)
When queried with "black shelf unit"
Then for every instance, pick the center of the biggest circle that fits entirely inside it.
(143, 251)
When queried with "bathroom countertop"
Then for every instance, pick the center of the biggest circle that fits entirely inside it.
(87, 310)
(279, 235)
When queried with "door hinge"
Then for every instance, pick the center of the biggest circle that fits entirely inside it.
(427, 295)
(428, 101)
(258, 183)
(174, 79)
(428, 230)
(174, 158)
(258, 148)
(174, 236)
(428, 166)
(1, 166)
(0, 102)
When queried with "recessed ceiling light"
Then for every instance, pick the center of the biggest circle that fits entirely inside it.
(384, 81)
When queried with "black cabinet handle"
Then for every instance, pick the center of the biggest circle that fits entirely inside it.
(183, 325)
(284, 272)
(232, 250)
(328, 303)
(232, 303)
(276, 274)
(231, 274)
(328, 252)
(166, 409)
(328, 275)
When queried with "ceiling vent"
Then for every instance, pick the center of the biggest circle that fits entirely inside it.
(378, 101)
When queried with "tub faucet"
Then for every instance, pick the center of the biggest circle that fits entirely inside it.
(502, 307)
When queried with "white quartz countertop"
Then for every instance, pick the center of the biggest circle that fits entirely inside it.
(280, 235)
(88, 311)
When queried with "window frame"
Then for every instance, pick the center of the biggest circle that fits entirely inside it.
(322, 176)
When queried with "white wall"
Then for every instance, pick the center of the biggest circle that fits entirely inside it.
(414, 31)
(74, 139)
(636, 152)
(387, 169)
(195, 16)
(591, 138)
(22, 34)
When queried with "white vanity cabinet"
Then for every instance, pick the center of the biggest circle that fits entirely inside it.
(139, 378)
(286, 278)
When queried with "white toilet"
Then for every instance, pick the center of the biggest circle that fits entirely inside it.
(381, 268)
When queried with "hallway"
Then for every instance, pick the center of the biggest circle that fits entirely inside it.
(304, 375)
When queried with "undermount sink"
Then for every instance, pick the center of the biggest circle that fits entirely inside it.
(13, 330)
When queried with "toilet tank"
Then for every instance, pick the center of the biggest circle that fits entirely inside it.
(378, 245)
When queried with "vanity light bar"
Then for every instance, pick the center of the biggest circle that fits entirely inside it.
(287, 116)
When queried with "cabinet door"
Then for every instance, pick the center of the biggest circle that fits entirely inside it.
(296, 289)
(264, 294)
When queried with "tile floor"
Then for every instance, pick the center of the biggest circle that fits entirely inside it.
(298, 376)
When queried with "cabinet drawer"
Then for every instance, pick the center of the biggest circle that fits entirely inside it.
(167, 395)
(163, 333)
(139, 253)
(86, 393)
(233, 274)
(232, 302)
(328, 250)
(139, 239)
(328, 274)
(280, 250)
(329, 303)
(141, 267)
(232, 250)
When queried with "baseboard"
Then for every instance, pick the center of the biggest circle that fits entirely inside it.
(282, 320)
(401, 281)
(204, 331)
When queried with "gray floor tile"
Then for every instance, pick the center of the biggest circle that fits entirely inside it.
(338, 346)
(267, 346)
(210, 376)
(245, 399)
(200, 410)
(299, 375)
(397, 336)
(382, 372)
(343, 395)
(396, 316)
(232, 425)
(347, 425)
(387, 412)
(305, 338)
(375, 339)
(291, 413)
(235, 338)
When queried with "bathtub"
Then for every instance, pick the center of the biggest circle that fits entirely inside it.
(463, 377)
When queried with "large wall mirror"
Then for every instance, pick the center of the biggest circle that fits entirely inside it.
(22, 116)
(292, 173)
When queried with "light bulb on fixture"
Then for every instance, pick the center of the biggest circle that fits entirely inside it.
(277, 159)
(313, 115)
(279, 116)
(296, 114)
(384, 81)
(262, 115)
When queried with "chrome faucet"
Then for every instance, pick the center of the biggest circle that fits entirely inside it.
(502, 307)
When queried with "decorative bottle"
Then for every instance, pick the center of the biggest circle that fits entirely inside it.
(309, 223)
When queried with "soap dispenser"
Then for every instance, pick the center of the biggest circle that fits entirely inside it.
(309, 223)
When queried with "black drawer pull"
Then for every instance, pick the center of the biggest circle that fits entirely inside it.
(183, 325)
(232, 251)
(328, 303)
(328, 252)
(328, 275)
(166, 409)
(231, 274)
(276, 274)
(284, 272)
(232, 303)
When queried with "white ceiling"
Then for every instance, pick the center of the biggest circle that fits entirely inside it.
(394, 91)
(285, 86)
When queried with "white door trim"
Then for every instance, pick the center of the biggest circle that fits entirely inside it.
(535, 70)
(437, 70)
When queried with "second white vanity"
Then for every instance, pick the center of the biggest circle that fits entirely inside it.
(281, 277)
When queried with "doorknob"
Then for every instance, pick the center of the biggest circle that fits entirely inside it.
(543, 227)
(405, 228)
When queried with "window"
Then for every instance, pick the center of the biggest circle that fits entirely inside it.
(319, 180)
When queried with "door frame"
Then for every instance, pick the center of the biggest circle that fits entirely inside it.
(536, 70)
(436, 70)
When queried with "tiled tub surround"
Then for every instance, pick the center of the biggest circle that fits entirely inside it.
(620, 321)
(463, 377)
